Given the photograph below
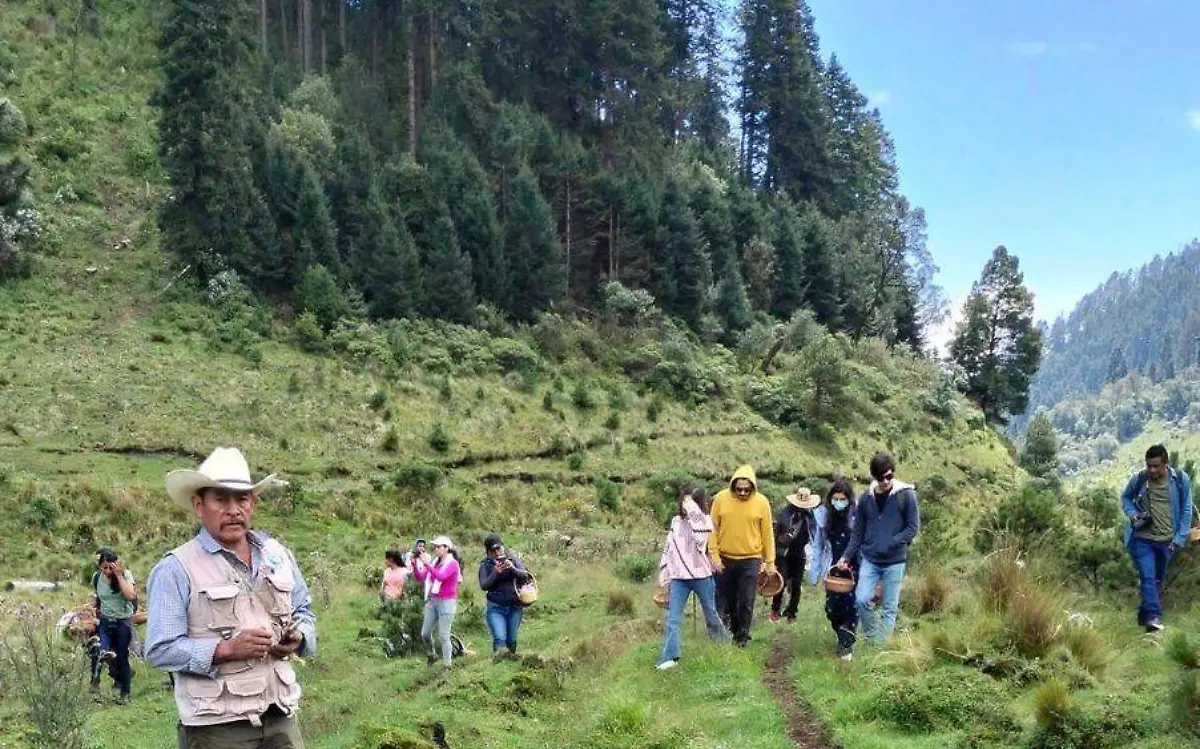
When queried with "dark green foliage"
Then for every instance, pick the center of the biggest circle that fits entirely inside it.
(996, 344)
(1040, 455)
(581, 396)
(207, 138)
(319, 294)
(687, 260)
(438, 439)
(418, 474)
(943, 700)
(18, 221)
(1027, 516)
(608, 494)
(533, 251)
(637, 568)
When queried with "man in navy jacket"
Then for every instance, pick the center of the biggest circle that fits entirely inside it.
(888, 521)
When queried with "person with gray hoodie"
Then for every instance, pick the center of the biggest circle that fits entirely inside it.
(888, 521)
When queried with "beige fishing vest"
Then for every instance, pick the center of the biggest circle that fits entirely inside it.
(222, 604)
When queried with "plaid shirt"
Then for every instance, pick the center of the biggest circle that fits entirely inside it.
(167, 645)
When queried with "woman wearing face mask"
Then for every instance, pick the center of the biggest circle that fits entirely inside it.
(834, 521)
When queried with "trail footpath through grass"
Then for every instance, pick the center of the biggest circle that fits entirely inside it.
(802, 726)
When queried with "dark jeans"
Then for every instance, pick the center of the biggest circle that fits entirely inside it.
(842, 614)
(1150, 559)
(278, 731)
(503, 622)
(115, 635)
(792, 569)
(735, 595)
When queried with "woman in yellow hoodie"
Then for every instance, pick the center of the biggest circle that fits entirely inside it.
(742, 543)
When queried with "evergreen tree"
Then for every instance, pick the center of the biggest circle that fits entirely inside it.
(688, 250)
(1117, 368)
(790, 283)
(205, 141)
(711, 206)
(385, 264)
(1040, 455)
(449, 291)
(821, 294)
(996, 343)
(318, 292)
(534, 252)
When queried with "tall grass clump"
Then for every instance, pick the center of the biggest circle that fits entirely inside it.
(1032, 623)
(932, 591)
(1003, 577)
(620, 603)
(1087, 646)
(48, 676)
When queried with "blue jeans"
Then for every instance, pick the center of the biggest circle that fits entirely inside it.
(1150, 559)
(503, 622)
(705, 590)
(869, 575)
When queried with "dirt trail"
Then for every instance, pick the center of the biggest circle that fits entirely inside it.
(803, 728)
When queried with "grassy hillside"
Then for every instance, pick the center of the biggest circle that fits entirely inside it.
(567, 436)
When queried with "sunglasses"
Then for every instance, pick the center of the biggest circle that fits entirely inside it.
(888, 476)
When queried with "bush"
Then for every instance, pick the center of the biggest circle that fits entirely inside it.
(1027, 517)
(1087, 646)
(942, 700)
(421, 475)
(548, 401)
(1032, 621)
(932, 591)
(308, 332)
(620, 603)
(391, 440)
(608, 494)
(581, 396)
(438, 439)
(1185, 702)
(1051, 702)
(613, 422)
(637, 568)
(378, 400)
(653, 410)
(1181, 650)
(575, 461)
(318, 292)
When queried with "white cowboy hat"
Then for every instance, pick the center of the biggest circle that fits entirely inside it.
(226, 468)
(804, 499)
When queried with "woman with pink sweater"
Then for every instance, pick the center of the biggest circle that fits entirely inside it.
(444, 574)
(687, 568)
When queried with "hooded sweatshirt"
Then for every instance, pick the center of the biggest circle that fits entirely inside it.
(882, 537)
(742, 528)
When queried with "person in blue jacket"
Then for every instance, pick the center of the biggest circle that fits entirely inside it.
(500, 573)
(1157, 503)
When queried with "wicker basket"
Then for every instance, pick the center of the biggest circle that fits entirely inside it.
(662, 596)
(840, 584)
(769, 584)
(1194, 536)
(140, 617)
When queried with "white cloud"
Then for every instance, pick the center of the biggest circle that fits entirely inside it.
(1193, 116)
(879, 98)
(1028, 49)
(938, 337)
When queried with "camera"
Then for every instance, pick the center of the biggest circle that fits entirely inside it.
(1141, 521)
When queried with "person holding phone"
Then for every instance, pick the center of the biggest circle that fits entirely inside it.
(444, 574)
(115, 601)
(500, 573)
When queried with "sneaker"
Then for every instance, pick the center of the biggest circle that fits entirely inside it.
(665, 665)
(107, 657)
(1154, 625)
(774, 617)
(847, 656)
(430, 659)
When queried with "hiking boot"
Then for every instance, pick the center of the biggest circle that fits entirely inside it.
(774, 617)
(791, 619)
(107, 657)
(125, 699)
(1155, 625)
(666, 665)
(431, 659)
(846, 656)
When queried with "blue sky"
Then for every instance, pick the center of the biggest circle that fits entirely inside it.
(1067, 130)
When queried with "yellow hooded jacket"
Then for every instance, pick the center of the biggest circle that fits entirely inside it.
(742, 529)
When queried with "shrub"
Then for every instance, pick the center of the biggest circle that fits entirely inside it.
(421, 475)
(1181, 650)
(48, 677)
(932, 591)
(608, 494)
(1087, 646)
(391, 440)
(637, 568)
(41, 509)
(653, 410)
(378, 400)
(438, 439)
(620, 603)
(548, 400)
(1032, 621)
(1002, 579)
(318, 292)
(1027, 516)
(942, 700)
(1185, 702)
(613, 422)
(1051, 702)
(581, 396)
(575, 461)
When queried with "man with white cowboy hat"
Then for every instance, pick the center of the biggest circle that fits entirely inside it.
(793, 531)
(226, 611)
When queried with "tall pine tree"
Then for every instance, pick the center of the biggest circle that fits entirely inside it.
(534, 253)
(688, 250)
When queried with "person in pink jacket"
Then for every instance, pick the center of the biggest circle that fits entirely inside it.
(444, 574)
(687, 569)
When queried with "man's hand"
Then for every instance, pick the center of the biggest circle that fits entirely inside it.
(249, 645)
(288, 643)
(717, 566)
(769, 568)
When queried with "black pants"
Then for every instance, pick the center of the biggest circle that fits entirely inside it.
(792, 569)
(735, 595)
(842, 614)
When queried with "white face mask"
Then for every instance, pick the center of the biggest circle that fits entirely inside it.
(840, 504)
